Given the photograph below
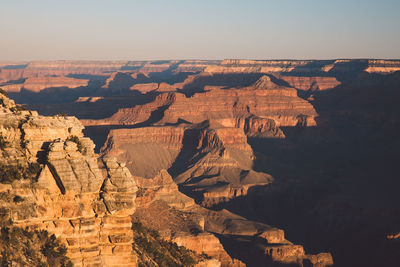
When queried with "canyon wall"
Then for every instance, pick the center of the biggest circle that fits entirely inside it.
(37, 84)
(87, 204)
(303, 66)
(19, 70)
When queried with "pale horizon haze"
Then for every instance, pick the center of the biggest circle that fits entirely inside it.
(188, 29)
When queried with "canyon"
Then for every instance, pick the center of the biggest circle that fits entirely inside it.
(226, 158)
(88, 202)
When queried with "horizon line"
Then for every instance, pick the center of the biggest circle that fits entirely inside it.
(194, 59)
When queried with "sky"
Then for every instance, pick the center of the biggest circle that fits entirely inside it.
(198, 29)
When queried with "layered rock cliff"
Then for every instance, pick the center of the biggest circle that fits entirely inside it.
(303, 66)
(310, 83)
(37, 84)
(18, 70)
(264, 99)
(63, 189)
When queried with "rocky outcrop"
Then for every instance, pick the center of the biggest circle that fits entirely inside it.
(89, 212)
(86, 204)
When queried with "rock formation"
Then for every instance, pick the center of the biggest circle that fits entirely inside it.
(86, 204)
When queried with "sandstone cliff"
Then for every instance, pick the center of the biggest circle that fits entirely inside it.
(86, 204)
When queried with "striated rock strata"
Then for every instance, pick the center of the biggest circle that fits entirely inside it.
(264, 98)
(303, 66)
(86, 203)
(219, 165)
(37, 84)
(310, 83)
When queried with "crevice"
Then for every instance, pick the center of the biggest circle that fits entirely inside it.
(56, 178)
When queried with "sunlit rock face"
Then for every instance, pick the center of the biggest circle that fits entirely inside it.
(86, 202)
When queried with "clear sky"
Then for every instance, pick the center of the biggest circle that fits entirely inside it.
(201, 29)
